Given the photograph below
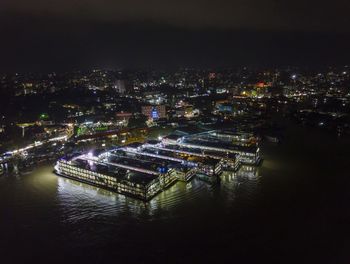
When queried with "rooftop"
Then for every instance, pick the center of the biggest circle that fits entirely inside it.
(114, 171)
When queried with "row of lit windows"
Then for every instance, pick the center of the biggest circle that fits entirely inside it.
(98, 175)
(87, 175)
(119, 187)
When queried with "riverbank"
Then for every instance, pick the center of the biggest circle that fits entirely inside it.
(293, 209)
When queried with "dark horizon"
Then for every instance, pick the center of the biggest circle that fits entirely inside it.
(41, 38)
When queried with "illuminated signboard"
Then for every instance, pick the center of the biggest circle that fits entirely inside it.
(155, 114)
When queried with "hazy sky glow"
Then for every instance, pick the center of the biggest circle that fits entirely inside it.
(47, 34)
(234, 14)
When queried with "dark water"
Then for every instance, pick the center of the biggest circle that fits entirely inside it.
(295, 208)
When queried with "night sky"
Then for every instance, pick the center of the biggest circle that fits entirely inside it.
(68, 34)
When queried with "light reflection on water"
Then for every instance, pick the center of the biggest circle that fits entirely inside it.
(286, 202)
(80, 215)
(81, 201)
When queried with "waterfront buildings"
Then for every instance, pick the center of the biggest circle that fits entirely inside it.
(143, 170)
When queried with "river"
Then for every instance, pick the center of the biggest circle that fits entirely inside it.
(293, 208)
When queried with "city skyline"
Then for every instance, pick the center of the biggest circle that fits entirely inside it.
(174, 131)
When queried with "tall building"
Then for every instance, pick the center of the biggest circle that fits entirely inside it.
(154, 111)
(122, 86)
